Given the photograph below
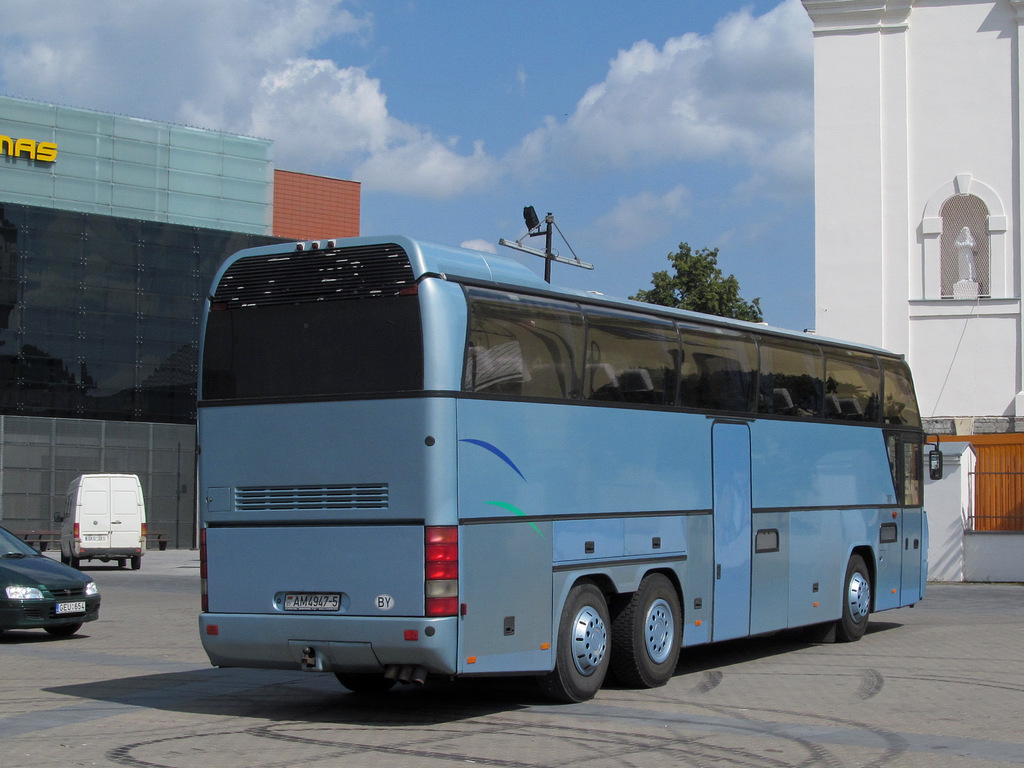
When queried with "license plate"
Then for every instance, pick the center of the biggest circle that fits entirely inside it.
(93, 537)
(312, 601)
(63, 608)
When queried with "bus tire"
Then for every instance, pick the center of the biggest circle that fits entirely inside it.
(581, 659)
(365, 683)
(856, 601)
(646, 635)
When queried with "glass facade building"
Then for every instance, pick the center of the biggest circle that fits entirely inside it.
(111, 229)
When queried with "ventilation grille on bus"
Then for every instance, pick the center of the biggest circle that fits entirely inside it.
(308, 497)
(302, 276)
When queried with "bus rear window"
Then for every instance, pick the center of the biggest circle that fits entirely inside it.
(314, 349)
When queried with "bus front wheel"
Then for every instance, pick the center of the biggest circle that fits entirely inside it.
(581, 659)
(856, 601)
(645, 635)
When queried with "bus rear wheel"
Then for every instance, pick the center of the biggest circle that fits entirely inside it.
(856, 601)
(581, 659)
(645, 635)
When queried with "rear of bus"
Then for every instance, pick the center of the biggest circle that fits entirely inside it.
(327, 461)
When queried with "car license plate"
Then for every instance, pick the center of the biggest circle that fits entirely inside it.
(63, 608)
(93, 537)
(312, 601)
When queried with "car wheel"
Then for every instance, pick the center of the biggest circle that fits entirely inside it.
(64, 630)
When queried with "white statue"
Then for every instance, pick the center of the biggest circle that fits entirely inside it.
(965, 255)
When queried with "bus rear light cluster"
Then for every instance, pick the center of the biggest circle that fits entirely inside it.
(203, 571)
(441, 571)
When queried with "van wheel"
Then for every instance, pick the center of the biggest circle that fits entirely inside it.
(645, 635)
(136, 562)
(581, 660)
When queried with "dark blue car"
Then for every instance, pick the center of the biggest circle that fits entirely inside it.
(39, 593)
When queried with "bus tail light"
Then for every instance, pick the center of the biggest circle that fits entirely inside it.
(441, 571)
(204, 597)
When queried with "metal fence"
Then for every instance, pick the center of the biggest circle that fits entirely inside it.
(40, 456)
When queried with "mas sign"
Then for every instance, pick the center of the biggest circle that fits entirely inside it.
(43, 151)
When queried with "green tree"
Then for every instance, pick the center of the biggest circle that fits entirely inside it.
(698, 285)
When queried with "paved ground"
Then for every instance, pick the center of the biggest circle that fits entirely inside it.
(938, 685)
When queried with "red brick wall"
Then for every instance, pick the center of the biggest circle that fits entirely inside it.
(310, 207)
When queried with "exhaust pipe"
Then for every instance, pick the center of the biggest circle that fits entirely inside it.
(405, 673)
(308, 660)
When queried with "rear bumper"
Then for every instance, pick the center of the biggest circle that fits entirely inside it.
(107, 553)
(342, 643)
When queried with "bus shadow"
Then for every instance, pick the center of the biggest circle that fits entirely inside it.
(315, 699)
(296, 697)
(705, 658)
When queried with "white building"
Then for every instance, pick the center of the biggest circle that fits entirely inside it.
(918, 195)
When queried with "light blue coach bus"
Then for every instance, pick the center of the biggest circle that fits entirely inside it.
(419, 460)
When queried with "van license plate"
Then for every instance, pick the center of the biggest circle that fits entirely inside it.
(312, 601)
(63, 608)
(93, 537)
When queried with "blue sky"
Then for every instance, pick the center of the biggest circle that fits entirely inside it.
(638, 125)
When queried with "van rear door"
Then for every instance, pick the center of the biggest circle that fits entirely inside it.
(125, 515)
(94, 514)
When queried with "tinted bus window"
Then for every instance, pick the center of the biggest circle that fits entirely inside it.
(522, 346)
(900, 402)
(314, 349)
(853, 384)
(630, 359)
(792, 380)
(718, 370)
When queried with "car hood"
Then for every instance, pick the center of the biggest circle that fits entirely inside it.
(39, 569)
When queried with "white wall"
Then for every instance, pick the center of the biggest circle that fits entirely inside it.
(916, 102)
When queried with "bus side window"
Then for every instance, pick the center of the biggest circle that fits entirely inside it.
(791, 381)
(522, 346)
(718, 371)
(853, 386)
(900, 402)
(630, 359)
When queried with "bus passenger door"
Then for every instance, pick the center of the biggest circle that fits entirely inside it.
(730, 446)
(914, 548)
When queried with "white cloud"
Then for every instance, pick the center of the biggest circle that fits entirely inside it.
(480, 244)
(241, 66)
(741, 93)
(190, 60)
(645, 216)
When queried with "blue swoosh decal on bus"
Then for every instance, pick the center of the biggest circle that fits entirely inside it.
(496, 451)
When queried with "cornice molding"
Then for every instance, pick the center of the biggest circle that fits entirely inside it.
(850, 16)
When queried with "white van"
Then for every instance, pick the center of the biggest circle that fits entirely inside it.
(104, 519)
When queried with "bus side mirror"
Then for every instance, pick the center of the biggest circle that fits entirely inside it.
(935, 464)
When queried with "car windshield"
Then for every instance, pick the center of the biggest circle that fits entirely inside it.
(12, 546)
